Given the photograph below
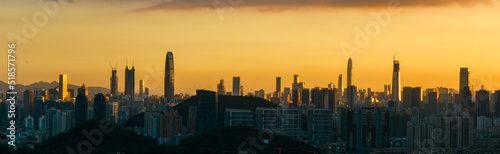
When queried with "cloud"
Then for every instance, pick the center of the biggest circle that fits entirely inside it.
(276, 5)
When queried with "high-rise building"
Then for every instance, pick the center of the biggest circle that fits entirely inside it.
(63, 87)
(169, 77)
(171, 123)
(99, 106)
(286, 94)
(464, 78)
(396, 84)
(305, 96)
(296, 83)
(28, 102)
(351, 95)
(497, 104)
(141, 87)
(237, 86)
(207, 110)
(83, 90)
(412, 97)
(221, 89)
(349, 72)
(81, 104)
(432, 103)
(340, 88)
(113, 82)
(483, 102)
(130, 82)
(296, 98)
(277, 93)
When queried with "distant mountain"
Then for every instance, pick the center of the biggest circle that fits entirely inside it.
(46, 85)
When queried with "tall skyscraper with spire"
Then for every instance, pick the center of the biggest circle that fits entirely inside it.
(113, 82)
(130, 81)
(349, 72)
(169, 77)
(396, 83)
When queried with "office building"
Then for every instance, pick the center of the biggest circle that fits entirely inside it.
(237, 87)
(130, 82)
(207, 117)
(221, 89)
(99, 106)
(169, 77)
(63, 87)
(235, 117)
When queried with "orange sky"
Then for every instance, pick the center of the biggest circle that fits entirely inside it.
(257, 44)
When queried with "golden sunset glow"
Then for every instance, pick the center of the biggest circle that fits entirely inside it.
(84, 37)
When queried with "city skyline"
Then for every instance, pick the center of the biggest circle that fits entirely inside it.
(254, 45)
(484, 81)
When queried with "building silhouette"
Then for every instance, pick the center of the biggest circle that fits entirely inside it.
(169, 77)
(99, 106)
(396, 84)
(28, 102)
(237, 87)
(279, 87)
(63, 87)
(221, 89)
(349, 72)
(80, 109)
(83, 90)
(340, 88)
(207, 109)
(130, 81)
(141, 87)
(113, 82)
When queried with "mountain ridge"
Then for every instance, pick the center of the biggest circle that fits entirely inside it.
(20, 88)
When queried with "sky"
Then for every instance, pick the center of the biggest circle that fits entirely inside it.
(256, 40)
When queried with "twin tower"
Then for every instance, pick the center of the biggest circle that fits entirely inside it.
(130, 79)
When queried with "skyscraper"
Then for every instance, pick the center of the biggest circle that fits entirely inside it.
(28, 101)
(83, 90)
(236, 86)
(483, 102)
(63, 87)
(464, 78)
(130, 82)
(297, 84)
(412, 97)
(80, 109)
(349, 72)
(340, 87)
(278, 88)
(99, 106)
(141, 87)
(396, 84)
(169, 77)
(497, 104)
(113, 82)
(207, 111)
(221, 89)
(465, 90)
